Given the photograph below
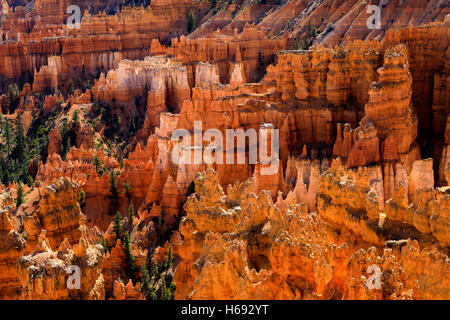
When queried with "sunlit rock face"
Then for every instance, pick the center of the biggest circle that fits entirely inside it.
(361, 181)
(47, 274)
(241, 245)
(11, 248)
(41, 43)
(58, 212)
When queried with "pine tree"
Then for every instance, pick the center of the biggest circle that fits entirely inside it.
(129, 257)
(42, 137)
(113, 189)
(153, 294)
(75, 118)
(13, 97)
(20, 196)
(8, 136)
(172, 288)
(127, 192)
(34, 149)
(65, 138)
(155, 270)
(98, 166)
(102, 241)
(123, 278)
(163, 291)
(191, 22)
(20, 148)
(130, 216)
(169, 261)
(29, 181)
(70, 87)
(146, 287)
(117, 225)
(66, 149)
(19, 157)
(113, 184)
(65, 128)
(132, 125)
(82, 197)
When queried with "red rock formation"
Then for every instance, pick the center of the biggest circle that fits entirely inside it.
(164, 82)
(344, 21)
(47, 274)
(241, 242)
(440, 112)
(113, 266)
(425, 43)
(315, 80)
(58, 212)
(126, 35)
(12, 247)
(78, 166)
(251, 46)
(389, 105)
(128, 292)
(309, 229)
(170, 203)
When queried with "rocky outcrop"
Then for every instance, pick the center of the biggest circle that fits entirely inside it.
(243, 246)
(68, 273)
(321, 81)
(250, 46)
(427, 42)
(114, 265)
(163, 82)
(58, 212)
(100, 43)
(12, 246)
(389, 106)
(127, 292)
(349, 199)
(79, 165)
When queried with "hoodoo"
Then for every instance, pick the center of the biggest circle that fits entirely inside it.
(224, 150)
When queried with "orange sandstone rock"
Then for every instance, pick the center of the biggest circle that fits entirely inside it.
(12, 247)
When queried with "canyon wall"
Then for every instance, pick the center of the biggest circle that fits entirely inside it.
(362, 177)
